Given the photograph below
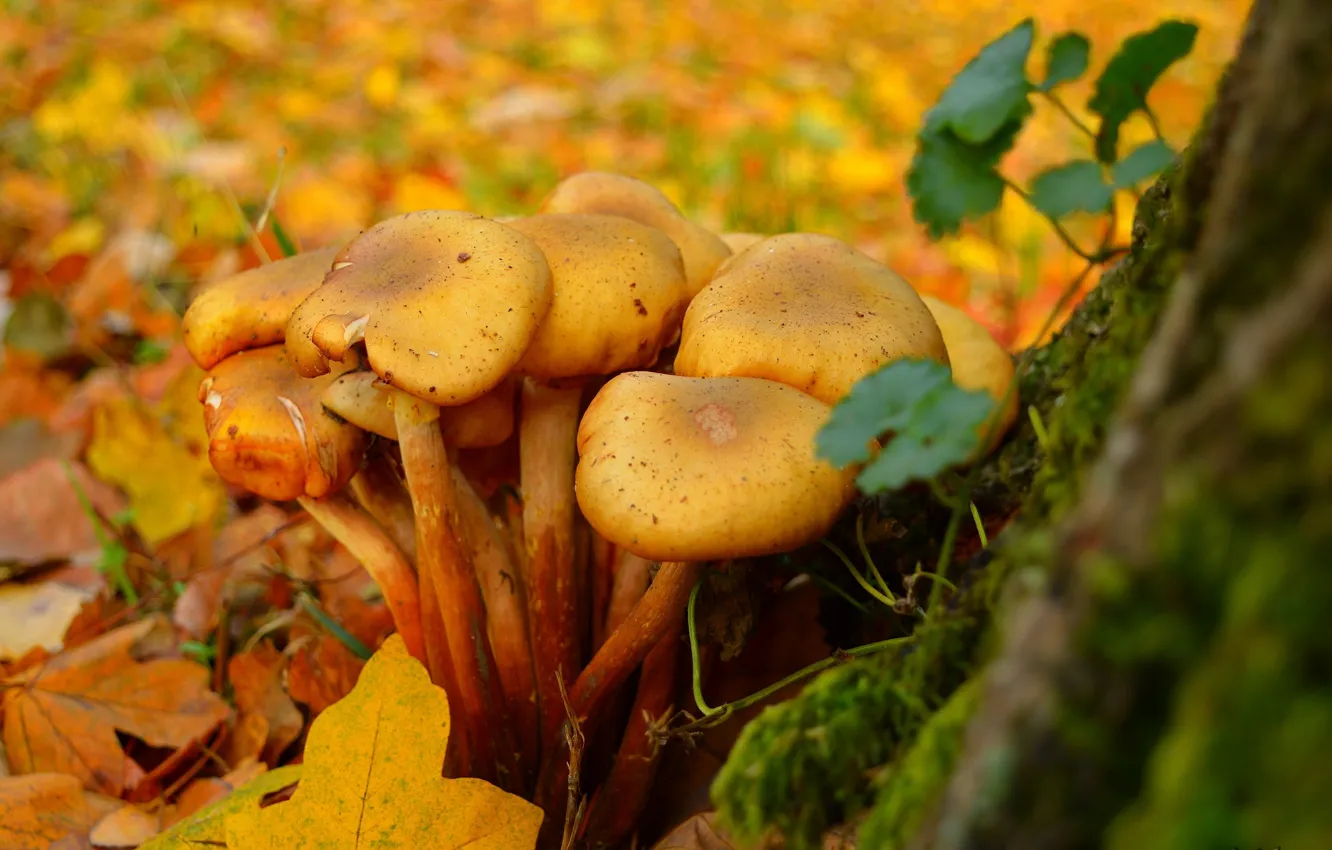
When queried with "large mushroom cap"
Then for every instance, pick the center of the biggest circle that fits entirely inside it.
(619, 295)
(251, 309)
(979, 363)
(268, 433)
(809, 311)
(692, 469)
(738, 242)
(616, 194)
(361, 399)
(445, 301)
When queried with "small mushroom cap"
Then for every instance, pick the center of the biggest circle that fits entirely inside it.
(361, 398)
(806, 310)
(251, 309)
(616, 194)
(445, 301)
(695, 469)
(738, 242)
(619, 295)
(268, 433)
(979, 363)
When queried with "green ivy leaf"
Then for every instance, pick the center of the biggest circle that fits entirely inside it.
(1074, 187)
(1147, 161)
(1065, 60)
(934, 424)
(950, 181)
(989, 92)
(1122, 87)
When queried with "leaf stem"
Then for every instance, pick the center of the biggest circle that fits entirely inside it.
(886, 599)
(1152, 120)
(1064, 235)
(865, 553)
(1068, 113)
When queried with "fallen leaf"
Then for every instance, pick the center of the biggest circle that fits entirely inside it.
(699, 832)
(155, 455)
(40, 809)
(241, 551)
(322, 672)
(128, 826)
(37, 614)
(207, 827)
(42, 518)
(63, 716)
(256, 680)
(202, 793)
(27, 440)
(372, 776)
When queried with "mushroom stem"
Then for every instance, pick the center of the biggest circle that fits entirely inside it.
(649, 621)
(547, 455)
(382, 493)
(386, 564)
(444, 563)
(604, 556)
(622, 797)
(631, 582)
(506, 620)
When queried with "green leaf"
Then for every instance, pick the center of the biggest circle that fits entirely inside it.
(1074, 187)
(1122, 87)
(148, 351)
(934, 424)
(1065, 60)
(39, 324)
(1147, 161)
(950, 181)
(990, 91)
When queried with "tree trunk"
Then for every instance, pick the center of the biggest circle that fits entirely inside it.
(1160, 677)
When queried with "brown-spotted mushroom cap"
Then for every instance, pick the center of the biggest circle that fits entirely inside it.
(251, 309)
(693, 469)
(978, 361)
(268, 433)
(361, 399)
(445, 301)
(618, 295)
(738, 242)
(616, 194)
(807, 310)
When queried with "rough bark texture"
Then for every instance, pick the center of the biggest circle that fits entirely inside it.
(1158, 680)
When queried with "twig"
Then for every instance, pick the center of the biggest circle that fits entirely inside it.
(576, 808)
(1068, 113)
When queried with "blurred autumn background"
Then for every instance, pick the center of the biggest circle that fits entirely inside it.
(152, 146)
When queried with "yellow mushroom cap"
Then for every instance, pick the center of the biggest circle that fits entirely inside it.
(445, 301)
(979, 363)
(618, 299)
(616, 194)
(251, 309)
(268, 433)
(693, 469)
(362, 399)
(738, 242)
(806, 310)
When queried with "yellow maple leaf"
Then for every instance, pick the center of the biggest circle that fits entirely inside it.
(159, 457)
(371, 777)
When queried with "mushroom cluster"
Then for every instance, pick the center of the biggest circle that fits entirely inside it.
(394, 385)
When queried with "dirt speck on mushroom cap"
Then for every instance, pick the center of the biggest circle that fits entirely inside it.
(689, 469)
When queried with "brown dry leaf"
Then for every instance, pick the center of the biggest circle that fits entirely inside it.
(246, 739)
(128, 826)
(344, 586)
(40, 809)
(241, 552)
(699, 832)
(204, 792)
(206, 827)
(41, 517)
(63, 715)
(256, 677)
(371, 777)
(322, 672)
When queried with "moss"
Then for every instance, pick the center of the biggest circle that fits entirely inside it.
(910, 786)
(807, 764)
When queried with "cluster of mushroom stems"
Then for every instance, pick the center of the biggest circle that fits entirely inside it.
(535, 432)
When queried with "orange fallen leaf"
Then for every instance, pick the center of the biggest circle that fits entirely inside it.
(128, 826)
(204, 792)
(256, 679)
(63, 716)
(207, 827)
(371, 777)
(40, 809)
(241, 552)
(323, 672)
(41, 518)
